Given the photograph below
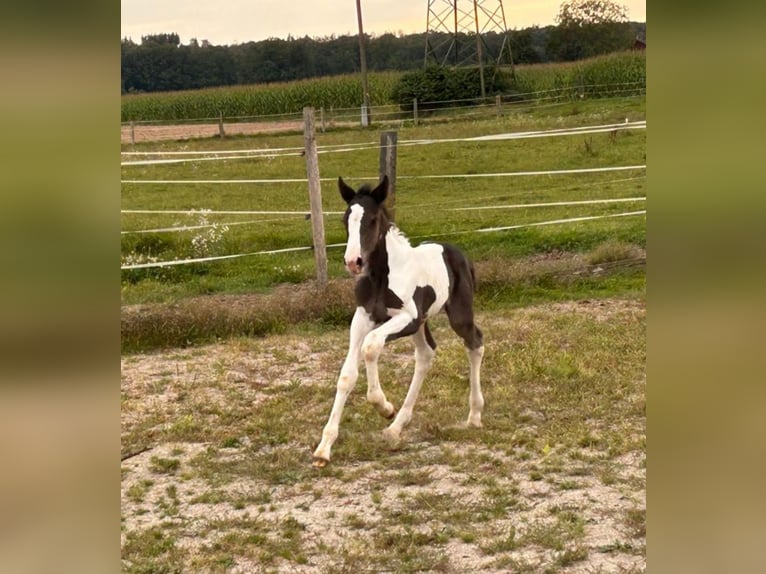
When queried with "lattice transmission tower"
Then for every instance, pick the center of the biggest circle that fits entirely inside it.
(456, 35)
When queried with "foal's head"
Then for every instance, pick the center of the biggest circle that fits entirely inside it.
(366, 222)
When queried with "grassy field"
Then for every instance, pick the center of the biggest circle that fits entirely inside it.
(426, 209)
(229, 368)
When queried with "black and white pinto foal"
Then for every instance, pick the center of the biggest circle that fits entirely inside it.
(399, 287)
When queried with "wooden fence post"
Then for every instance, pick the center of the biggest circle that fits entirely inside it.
(415, 111)
(315, 194)
(220, 124)
(388, 167)
(499, 105)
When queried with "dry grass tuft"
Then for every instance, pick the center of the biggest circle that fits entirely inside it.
(207, 318)
(614, 250)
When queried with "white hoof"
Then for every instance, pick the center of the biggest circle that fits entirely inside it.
(469, 424)
(319, 462)
(392, 437)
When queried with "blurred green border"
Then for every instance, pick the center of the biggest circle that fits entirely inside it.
(705, 287)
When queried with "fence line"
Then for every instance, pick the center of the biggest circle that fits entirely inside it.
(304, 213)
(235, 151)
(194, 212)
(550, 204)
(391, 115)
(194, 227)
(525, 173)
(307, 248)
(375, 177)
(216, 158)
(207, 212)
(552, 222)
(547, 189)
(250, 154)
(341, 148)
(438, 105)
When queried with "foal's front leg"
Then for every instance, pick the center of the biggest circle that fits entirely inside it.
(361, 325)
(371, 350)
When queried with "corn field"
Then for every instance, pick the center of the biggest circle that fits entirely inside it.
(618, 74)
(258, 100)
(621, 74)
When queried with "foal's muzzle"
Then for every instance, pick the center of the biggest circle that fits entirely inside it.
(354, 266)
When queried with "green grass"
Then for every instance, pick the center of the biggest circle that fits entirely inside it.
(422, 206)
(165, 465)
(424, 210)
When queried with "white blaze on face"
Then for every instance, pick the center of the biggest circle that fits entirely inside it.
(354, 245)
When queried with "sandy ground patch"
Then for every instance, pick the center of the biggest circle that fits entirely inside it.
(149, 133)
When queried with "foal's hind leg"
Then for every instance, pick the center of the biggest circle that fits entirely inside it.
(461, 321)
(424, 353)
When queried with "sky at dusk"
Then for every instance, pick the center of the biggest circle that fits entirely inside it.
(240, 21)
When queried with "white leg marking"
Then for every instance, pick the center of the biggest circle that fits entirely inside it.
(476, 401)
(361, 325)
(371, 349)
(423, 356)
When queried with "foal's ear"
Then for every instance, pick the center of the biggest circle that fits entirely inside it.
(379, 193)
(346, 192)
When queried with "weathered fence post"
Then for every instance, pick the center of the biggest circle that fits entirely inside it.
(415, 111)
(220, 124)
(388, 167)
(499, 105)
(365, 116)
(315, 194)
(133, 132)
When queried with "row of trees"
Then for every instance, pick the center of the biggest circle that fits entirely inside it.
(161, 63)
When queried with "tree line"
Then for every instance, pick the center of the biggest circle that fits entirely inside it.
(161, 63)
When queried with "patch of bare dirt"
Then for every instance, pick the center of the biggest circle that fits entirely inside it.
(150, 133)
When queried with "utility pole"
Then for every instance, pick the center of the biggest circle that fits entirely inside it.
(479, 55)
(363, 61)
